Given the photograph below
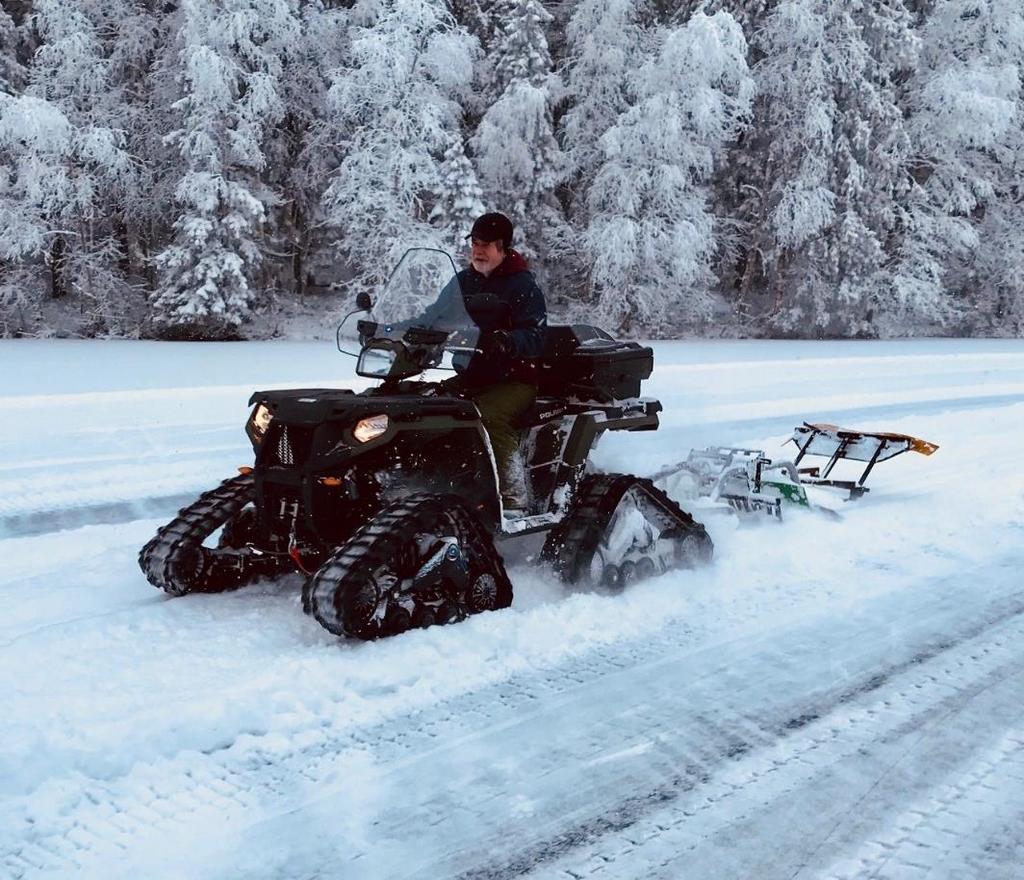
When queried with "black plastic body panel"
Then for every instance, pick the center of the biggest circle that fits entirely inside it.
(585, 362)
(316, 482)
(314, 406)
(434, 444)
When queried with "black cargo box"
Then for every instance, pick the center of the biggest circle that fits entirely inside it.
(585, 362)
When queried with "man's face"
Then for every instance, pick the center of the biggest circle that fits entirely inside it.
(486, 256)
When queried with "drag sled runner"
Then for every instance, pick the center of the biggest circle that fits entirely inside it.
(387, 500)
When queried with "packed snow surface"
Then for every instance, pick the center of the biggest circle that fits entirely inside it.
(830, 698)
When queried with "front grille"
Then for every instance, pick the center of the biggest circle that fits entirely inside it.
(285, 453)
(291, 446)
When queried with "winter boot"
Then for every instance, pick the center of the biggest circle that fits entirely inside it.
(515, 499)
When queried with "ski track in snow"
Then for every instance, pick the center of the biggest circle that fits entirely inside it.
(714, 749)
(841, 700)
(147, 445)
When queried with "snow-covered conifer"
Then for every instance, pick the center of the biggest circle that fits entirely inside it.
(517, 156)
(394, 102)
(35, 142)
(460, 199)
(740, 182)
(11, 71)
(69, 167)
(520, 45)
(651, 235)
(140, 53)
(834, 173)
(303, 149)
(604, 40)
(960, 260)
(229, 77)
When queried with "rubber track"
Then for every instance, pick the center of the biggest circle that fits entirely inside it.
(378, 542)
(571, 544)
(481, 551)
(175, 560)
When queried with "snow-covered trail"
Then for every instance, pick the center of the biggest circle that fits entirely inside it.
(96, 454)
(828, 699)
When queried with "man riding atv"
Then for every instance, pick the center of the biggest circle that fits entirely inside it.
(388, 498)
(502, 380)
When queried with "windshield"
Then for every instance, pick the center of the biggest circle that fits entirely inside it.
(422, 292)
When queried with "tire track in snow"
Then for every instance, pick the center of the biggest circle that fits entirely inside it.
(44, 522)
(45, 501)
(100, 822)
(679, 814)
(35, 514)
(688, 840)
(165, 396)
(958, 820)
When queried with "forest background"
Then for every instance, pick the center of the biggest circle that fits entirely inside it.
(226, 168)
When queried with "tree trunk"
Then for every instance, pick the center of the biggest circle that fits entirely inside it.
(57, 260)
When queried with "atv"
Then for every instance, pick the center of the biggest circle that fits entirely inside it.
(387, 499)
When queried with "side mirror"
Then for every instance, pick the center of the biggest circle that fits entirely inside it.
(363, 302)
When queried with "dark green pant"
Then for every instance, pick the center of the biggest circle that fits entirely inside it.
(500, 405)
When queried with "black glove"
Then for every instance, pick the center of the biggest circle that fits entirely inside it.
(497, 344)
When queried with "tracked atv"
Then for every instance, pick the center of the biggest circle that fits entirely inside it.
(388, 500)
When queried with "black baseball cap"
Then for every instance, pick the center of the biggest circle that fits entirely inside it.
(492, 227)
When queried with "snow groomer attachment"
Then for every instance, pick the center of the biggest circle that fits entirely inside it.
(837, 444)
(747, 482)
(731, 479)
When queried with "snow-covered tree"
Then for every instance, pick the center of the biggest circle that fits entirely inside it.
(833, 177)
(460, 199)
(192, 159)
(35, 141)
(21, 227)
(604, 40)
(520, 45)
(69, 166)
(303, 150)
(71, 71)
(473, 15)
(140, 37)
(960, 262)
(517, 157)
(739, 180)
(11, 71)
(13, 228)
(651, 235)
(230, 78)
(395, 103)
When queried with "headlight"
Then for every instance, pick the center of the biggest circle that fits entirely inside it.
(370, 427)
(259, 422)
